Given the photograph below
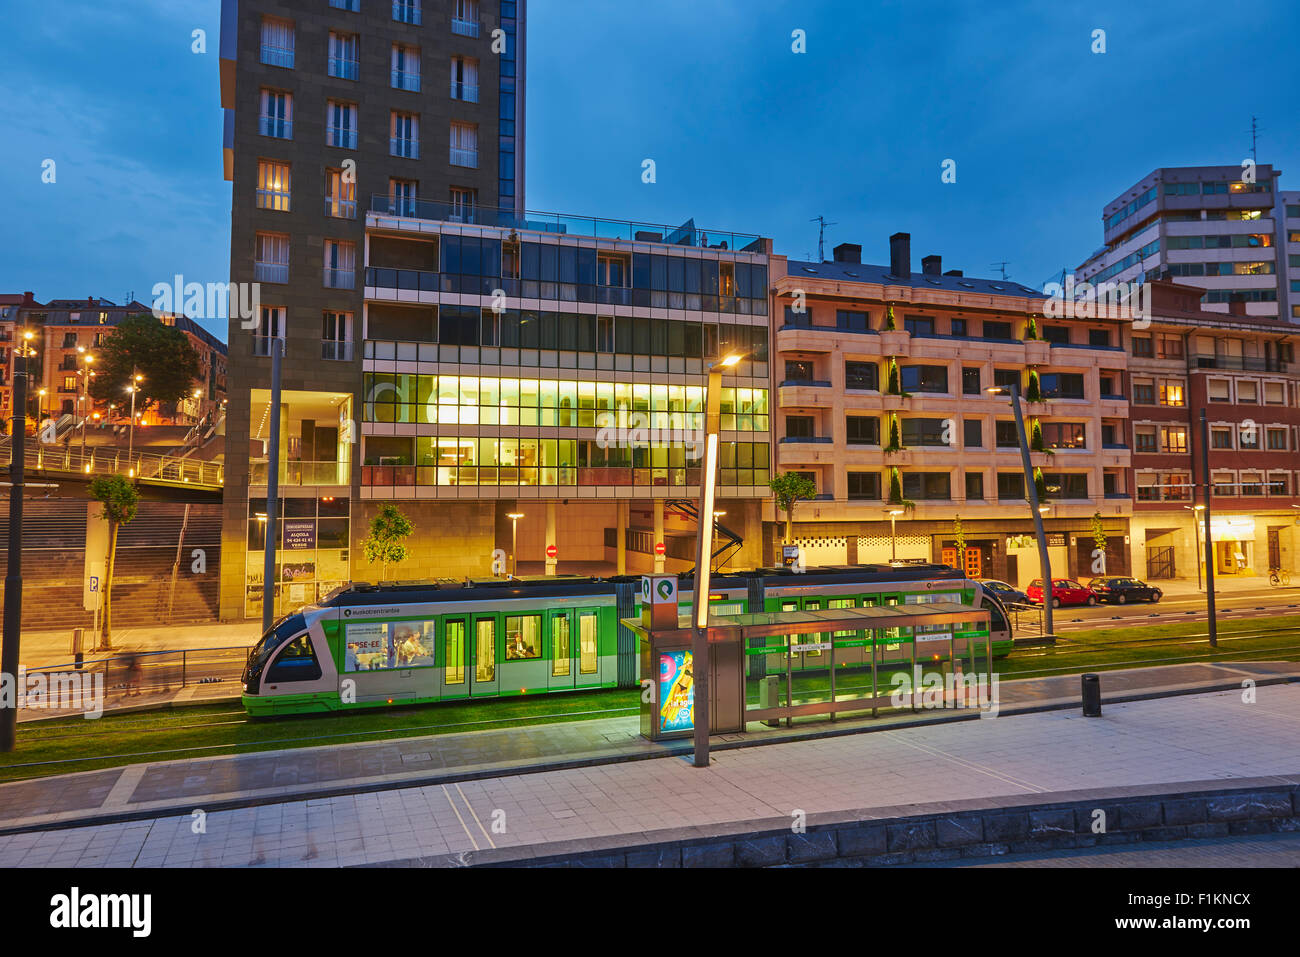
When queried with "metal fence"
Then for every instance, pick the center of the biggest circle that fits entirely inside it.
(146, 466)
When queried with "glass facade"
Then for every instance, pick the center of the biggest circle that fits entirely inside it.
(311, 556)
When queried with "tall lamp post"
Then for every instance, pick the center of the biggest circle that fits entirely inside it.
(893, 533)
(514, 538)
(1196, 511)
(1031, 492)
(86, 373)
(1209, 539)
(702, 717)
(133, 388)
(13, 601)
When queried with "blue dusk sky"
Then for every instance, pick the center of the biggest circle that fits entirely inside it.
(746, 135)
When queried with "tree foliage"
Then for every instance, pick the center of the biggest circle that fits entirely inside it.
(143, 345)
(120, 500)
(789, 488)
(386, 544)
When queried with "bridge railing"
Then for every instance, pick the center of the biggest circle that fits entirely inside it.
(146, 466)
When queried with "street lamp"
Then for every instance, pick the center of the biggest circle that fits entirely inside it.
(133, 388)
(703, 558)
(893, 533)
(86, 373)
(1196, 527)
(514, 530)
(713, 538)
(1031, 493)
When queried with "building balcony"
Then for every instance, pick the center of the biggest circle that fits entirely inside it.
(404, 280)
(463, 157)
(896, 342)
(407, 11)
(464, 28)
(465, 92)
(826, 339)
(298, 473)
(339, 278)
(1037, 352)
(341, 137)
(1240, 364)
(344, 69)
(792, 394)
(406, 80)
(336, 351)
(340, 208)
(405, 148)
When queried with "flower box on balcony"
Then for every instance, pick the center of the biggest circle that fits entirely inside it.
(895, 343)
(892, 402)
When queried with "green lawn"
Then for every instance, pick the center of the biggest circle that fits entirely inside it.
(221, 729)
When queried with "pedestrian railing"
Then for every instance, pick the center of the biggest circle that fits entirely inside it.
(145, 466)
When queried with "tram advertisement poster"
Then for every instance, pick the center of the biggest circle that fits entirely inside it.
(369, 647)
(676, 691)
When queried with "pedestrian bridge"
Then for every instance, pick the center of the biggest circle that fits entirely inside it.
(146, 468)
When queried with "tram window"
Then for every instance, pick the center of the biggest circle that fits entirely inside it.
(295, 662)
(454, 647)
(997, 619)
(844, 603)
(589, 660)
(523, 637)
(814, 605)
(485, 649)
(560, 646)
(413, 643)
(369, 647)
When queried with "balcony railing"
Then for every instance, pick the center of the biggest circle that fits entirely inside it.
(340, 208)
(112, 461)
(339, 278)
(464, 28)
(464, 91)
(299, 473)
(467, 158)
(818, 439)
(271, 272)
(275, 126)
(406, 11)
(341, 137)
(814, 383)
(408, 279)
(404, 147)
(1239, 363)
(344, 69)
(351, 5)
(338, 351)
(406, 80)
(277, 56)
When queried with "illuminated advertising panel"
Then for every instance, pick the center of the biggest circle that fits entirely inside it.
(676, 692)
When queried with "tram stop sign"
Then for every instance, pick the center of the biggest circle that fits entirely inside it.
(659, 601)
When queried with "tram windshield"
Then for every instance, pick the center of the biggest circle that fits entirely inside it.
(265, 648)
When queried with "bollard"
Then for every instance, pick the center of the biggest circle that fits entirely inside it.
(1091, 689)
(77, 638)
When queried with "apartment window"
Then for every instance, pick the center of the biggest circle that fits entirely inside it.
(974, 486)
(1247, 392)
(1252, 483)
(336, 336)
(864, 485)
(925, 378)
(344, 62)
(464, 79)
(1248, 437)
(340, 264)
(1172, 392)
(605, 334)
(406, 68)
(849, 320)
(1144, 438)
(1144, 347)
(862, 430)
(1219, 390)
(970, 381)
(1011, 486)
(277, 42)
(407, 11)
(924, 432)
(401, 196)
(799, 370)
(1109, 436)
(1277, 440)
(464, 18)
(1173, 439)
(919, 325)
(1171, 347)
(269, 328)
(276, 117)
(69, 340)
(341, 124)
(1061, 385)
(404, 135)
(1224, 484)
(1099, 337)
(463, 202)
(799, 427)
(1064, 435)
(1006, 379)
(1220, 438)
(1279, 483)
(340, 194)
(1274, 393)
(923, 486)
(464, 145)
(1144, 392)
(1107, 381)
(1006, 435)
(862, 376)
(1058, 335)
(273, 186)
(271, 257)
(997, 330)
(973, 433)
(958, 327)
(1067, 484)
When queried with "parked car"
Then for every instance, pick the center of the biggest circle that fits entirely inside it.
(1065, 591)
(1121, 591)
(1008, 594)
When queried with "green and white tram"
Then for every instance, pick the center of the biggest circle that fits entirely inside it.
(376, 646)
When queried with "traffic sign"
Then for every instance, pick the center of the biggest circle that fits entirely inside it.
(552, 551)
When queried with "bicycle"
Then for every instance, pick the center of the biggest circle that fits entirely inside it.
(1279, 577)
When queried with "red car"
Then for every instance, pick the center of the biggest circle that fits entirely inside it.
(1065, 591)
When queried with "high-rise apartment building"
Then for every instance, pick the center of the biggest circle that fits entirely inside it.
(335, 108)
(1207, 226)
(1287, 217)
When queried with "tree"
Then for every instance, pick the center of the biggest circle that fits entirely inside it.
(120, 500)
(895, 436)
(959, 535)
(1040, 486)
(1031, 329)
(143, 345)
(896, 490)
(1036, 443)
(387, 542)
(1034, 391)
(791, 487)
(890, 324)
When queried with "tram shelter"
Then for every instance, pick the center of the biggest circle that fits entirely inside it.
(767, 666)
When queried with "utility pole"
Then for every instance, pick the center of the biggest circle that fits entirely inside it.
(13, 610)
(1254, 139)
(272, 491)
(1209, 545)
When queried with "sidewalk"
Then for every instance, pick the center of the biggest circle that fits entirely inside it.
(44, 649)
(944, 776)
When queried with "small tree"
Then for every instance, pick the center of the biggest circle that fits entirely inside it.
(1099, 540)
(120, 500)
(958, 534)
(791, 487)
(890, 324)
(896, 490)
(1031, 329)
(895, 436)
(1040, 486)
(1034, 391)
(1036, 443)
(387, 541)
(893, 384)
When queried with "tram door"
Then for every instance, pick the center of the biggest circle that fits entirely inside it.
(483, 665)
(563, 665)
(806, 659)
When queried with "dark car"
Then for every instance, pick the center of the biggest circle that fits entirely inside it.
(1121, 590)
(1007, 594)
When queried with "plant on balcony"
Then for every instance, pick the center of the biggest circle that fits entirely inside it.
(893, 381)
(789, 488)
(896, 491)
(1031, 330)
(1036, 443)
(890, 324)
(1034, 391)
(1040, 486)
(386, 543)
(120, 500)
(895, 436)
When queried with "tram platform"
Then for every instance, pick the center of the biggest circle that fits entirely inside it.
(492, 770)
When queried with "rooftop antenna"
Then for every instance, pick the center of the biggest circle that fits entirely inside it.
(821, 237)
(1002, 266)
(1254, 138)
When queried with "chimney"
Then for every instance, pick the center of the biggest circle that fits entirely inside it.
(1236, 307)
(900, 255)
(932, 265)
(29, 299)
(954, 272)
(848, 253)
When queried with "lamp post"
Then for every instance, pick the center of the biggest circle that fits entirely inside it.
(13, 600)
(133, 388)
(1031, 492)
(86, 373)
(893, 533)
(514, 538)
(713, 536)
(272, 489)
(702, 717)
(1209, 543)
(1196, 528)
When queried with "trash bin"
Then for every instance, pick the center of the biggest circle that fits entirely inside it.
(769, 696)
(1091, 687)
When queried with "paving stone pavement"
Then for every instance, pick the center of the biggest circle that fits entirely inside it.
(1204, 737)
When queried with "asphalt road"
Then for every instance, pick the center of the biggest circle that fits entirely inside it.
(1252, 603)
